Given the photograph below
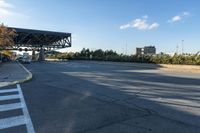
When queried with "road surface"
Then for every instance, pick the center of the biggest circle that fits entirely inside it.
(99, 97)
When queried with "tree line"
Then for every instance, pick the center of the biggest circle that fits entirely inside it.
(6, 37)
(6, 42)
(110, 55)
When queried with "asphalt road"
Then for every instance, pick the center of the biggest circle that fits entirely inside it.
(99, 97)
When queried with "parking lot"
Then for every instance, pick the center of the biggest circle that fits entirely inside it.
(101, 97)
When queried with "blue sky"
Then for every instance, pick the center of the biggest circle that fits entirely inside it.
(111, 24)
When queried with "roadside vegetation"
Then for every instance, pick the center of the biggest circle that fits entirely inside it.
(110, 55)
(6, 37)
(6, 42)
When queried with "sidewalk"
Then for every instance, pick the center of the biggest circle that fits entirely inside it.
(13, 73)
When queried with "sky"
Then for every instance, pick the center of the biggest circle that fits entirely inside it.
(120, 25)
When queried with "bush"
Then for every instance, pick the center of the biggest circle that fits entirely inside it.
(110, 55)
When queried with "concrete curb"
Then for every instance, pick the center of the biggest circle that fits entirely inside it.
(29, 77)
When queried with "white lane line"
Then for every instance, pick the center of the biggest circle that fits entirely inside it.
(6, 107)
(9, 97)
(12, 122)
(29, 124)
(8, 90)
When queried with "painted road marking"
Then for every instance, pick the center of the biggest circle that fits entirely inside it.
(12, 122)
(16, 120)
(7, 107)
(9, 97)
(8, 90)
(29, 125)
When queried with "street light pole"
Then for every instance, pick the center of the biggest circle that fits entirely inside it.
(182, 47)
(142, 55)
(177, 49)
(126, 48)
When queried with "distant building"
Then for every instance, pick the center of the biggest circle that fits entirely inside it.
(147, 50)
(139, 51)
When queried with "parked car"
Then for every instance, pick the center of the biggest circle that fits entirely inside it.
(24, 59)
(19, 59)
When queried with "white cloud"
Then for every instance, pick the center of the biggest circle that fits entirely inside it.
(125, 26)
(153, 26)
(6, 9)
(176, 19)
(4, 4)
(10, 15)
(185, 13)
(5, 13)
(179, 17)
(140, 24)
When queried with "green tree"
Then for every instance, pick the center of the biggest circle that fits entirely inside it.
(197, 60)
(6, 37)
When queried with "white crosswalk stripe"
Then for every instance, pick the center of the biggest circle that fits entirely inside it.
(6, 107)
(14, 121)
(8, 90)
(9, 97)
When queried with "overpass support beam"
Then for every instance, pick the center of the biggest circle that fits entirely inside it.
(41, 55)
(33, 55)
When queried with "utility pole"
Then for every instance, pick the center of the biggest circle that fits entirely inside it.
(123, 50)
(126, 48)
(177, 49)
(142, 55)
(182, 47)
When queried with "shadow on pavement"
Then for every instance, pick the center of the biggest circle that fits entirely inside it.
(100, 98)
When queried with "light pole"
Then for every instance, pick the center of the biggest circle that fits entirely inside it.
(177, 49)
(126, 48)
(142, 55)
(182, 47)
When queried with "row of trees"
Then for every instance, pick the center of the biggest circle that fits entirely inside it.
(176, 59)
(6, 41)
(110, 55)
(6, 37)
